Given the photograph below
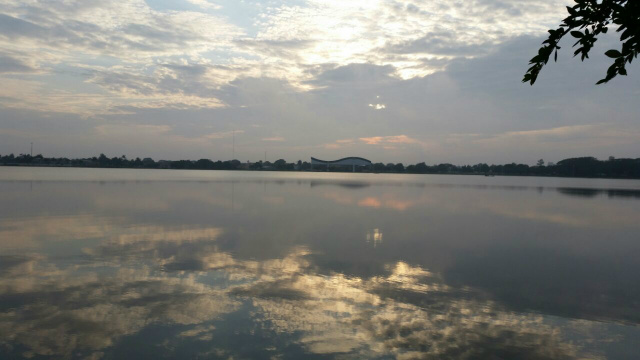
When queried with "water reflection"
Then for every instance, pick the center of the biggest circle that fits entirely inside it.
(374, 237)
(260, 269)
(76, 312)
(408, 312)
(612, 193)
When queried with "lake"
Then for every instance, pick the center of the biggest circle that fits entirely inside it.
(132, 264)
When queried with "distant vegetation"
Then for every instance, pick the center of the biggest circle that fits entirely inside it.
(574, 167)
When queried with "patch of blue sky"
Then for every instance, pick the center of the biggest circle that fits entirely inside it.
(242, 13)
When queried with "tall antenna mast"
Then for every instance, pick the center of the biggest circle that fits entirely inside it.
(233, 146)
(32, 149)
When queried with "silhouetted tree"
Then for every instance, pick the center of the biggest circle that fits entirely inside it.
(256, 165)
(586, 21)
(204, 164)
(379, 167)
(582, 166)
(421, 168)
(280, 164)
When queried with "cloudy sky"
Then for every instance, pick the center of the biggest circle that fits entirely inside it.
(392, 81)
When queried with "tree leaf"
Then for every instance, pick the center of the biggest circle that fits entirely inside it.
(577, 34)
(613, 53)
(586, 20)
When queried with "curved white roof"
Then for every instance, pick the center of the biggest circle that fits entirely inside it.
(358, 161)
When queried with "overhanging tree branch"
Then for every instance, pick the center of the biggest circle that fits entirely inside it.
(586, 21)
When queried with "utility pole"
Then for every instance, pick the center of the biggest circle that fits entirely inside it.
(265, 156)
(32, 149)
(233, 146)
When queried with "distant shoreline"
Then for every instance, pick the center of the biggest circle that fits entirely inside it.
(583, 167)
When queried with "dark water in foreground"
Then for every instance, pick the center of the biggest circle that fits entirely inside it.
(131, 264)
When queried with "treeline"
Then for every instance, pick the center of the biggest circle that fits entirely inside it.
(103, 161)
(574, 167)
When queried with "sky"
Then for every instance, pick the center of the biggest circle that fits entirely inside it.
(392, 81)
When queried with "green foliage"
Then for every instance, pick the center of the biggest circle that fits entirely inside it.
(586, 21)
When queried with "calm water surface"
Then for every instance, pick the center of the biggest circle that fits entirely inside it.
(131, 264)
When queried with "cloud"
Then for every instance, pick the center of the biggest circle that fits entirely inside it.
(339, 144)
(12, 27)
(302, 70)
(275, 138)
(360, 31)
(10, 64)
(128, 29)
(440, 42)
(562, 131)
(573, 138)
(274, 48)
(355, 75)
(205, 4)
(223, 134)
(125, 44)
(381, 140)
(115, 43)
(332, 146)
(370, 202)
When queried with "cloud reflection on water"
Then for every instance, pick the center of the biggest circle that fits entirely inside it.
(286, 267)
(408, 313)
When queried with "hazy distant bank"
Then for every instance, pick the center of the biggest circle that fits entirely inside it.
(589, 167)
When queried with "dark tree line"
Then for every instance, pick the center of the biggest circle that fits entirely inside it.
(574, 167)
(103, 161)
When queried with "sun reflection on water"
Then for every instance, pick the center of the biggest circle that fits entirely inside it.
(374, 237)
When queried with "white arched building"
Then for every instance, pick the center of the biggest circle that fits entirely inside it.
(348, 161)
